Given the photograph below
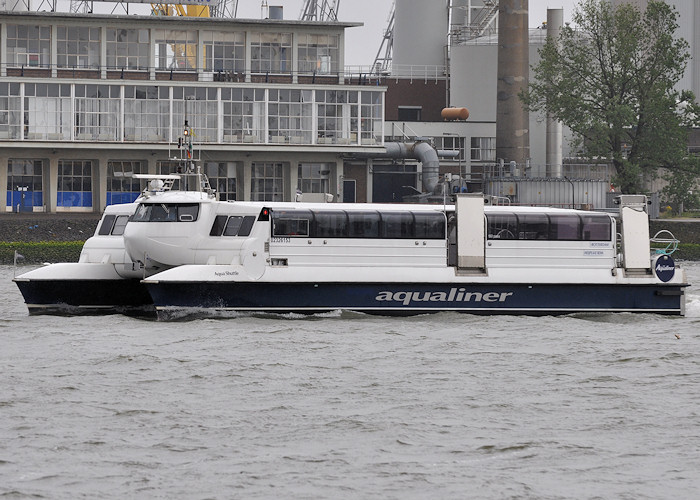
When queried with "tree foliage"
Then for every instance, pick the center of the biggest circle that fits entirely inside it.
(682, 186)
(611, 81)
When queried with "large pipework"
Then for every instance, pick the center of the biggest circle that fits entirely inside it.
(421, 151)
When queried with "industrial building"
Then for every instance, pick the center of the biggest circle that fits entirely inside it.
(87, 100)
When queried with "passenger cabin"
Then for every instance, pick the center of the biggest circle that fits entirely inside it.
(331, 235)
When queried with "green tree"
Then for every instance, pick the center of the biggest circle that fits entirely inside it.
(682, 187)
(611, 81)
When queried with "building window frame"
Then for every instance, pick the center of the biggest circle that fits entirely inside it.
(267, 181)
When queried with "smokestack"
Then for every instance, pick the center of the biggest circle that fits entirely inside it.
(555, 22)
(512, 121)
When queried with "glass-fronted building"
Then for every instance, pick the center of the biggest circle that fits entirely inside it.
(88, 100)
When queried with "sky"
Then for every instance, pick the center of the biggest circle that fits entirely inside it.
(362, 44)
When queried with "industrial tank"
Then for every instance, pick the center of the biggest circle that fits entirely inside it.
(420, 30)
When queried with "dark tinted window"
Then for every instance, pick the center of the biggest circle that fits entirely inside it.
(564, 227)
(397, 225)
(188, 212)
(246, 225)
(502, 226)
(533, 227)
(233, 225)
(330, 225)
(429, 225)
(596, 228)
(217, 229)
(106, 226)
(166, 212)
(292, 223)
(120, 225)
(363, 224)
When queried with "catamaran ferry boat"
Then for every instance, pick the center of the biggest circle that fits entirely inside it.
(397, 259)
(181, 253)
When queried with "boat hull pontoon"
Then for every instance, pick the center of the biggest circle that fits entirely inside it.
(178, 299)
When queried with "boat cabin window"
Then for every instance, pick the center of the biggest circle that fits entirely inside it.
(564, 227)
(533, 227)
(430, 226)
(239, 225)
(120, 225)
(595, 228)
(397, 225)
(166, 212)
(291, 223)
(551, 227)
(107, 224)
(359, 224)
(502, 226)
(363, 224)
(236, 225)
(217, 229)
(330, 224)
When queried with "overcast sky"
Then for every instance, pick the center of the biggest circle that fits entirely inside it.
(363, 43)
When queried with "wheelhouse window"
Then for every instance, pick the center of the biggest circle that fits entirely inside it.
(166, 212)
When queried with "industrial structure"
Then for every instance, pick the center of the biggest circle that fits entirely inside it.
(87, 100)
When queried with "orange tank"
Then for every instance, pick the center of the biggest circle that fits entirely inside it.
(454, 113)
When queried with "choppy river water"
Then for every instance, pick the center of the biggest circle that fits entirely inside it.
(350, 406)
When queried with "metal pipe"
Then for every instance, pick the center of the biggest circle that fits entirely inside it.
(421, 151)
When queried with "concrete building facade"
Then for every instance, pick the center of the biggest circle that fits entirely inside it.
(88, 100)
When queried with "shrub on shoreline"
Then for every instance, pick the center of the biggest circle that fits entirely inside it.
(38, 252)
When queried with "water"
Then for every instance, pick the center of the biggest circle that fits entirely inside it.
(350, 406)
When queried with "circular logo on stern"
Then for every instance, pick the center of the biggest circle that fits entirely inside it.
(664, 268)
